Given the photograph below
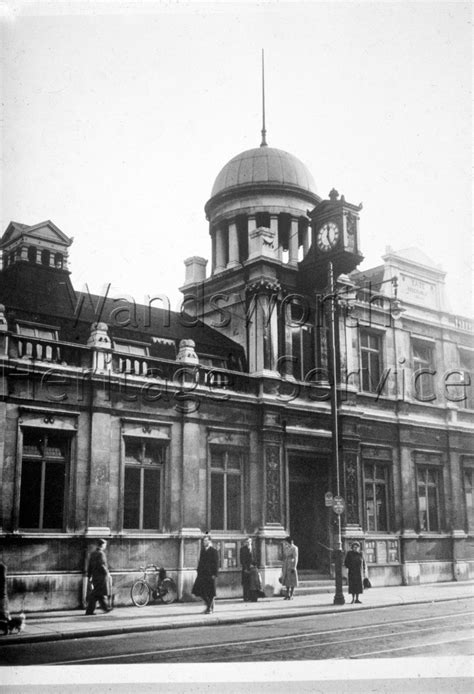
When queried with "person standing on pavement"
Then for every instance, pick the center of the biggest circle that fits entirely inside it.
(247, 560)
(4, 607)
(289, 573)
(98, 575)
(356, 570)
(208, 567)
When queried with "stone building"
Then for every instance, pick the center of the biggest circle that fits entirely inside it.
(148, 427)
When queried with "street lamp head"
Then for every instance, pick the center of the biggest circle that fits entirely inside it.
(397, 308)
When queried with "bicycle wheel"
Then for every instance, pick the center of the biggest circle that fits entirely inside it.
(140, 593)
(168, 591)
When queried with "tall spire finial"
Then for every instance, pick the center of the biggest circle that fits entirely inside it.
(264, 132)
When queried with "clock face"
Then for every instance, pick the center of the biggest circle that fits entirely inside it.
(328, 236)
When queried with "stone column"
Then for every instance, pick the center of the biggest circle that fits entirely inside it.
(233, 245)
(306, 238)
(219, 240)
(293, 243)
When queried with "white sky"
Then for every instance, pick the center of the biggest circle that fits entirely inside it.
(119, 116)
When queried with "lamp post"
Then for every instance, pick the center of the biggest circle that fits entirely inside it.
(338, 553)
(396, 309)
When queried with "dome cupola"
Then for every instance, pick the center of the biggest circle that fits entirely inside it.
(264, 188)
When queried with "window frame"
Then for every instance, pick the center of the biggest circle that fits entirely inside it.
(363, 349)
(420, 364)
(142, 466)
(468, 467)
(225, 473)
(388, 470)
(437, 469)
(66, 461)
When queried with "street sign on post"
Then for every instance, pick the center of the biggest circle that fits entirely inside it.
(338, 505)
(328, 499)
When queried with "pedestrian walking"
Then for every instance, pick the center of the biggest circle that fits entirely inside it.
(247, 561)
(99, 576)
(208, 567)
(356, 570)
(8, 623)
(289, 572)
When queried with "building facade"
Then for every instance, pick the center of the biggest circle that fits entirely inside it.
(149, 427)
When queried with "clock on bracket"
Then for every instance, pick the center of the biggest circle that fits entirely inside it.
(328, 236)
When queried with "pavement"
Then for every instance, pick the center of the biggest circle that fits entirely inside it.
(72, 624)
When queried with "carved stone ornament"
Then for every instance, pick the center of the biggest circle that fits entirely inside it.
(263, 285)
(352, 495)
(187, 353)
(273, 495)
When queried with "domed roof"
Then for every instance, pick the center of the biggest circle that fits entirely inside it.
(264, 165)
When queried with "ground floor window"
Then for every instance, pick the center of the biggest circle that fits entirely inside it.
(429, 493)
(144, 460)
(468, 496)
(376, 495)
(226, 489)
(45, 458)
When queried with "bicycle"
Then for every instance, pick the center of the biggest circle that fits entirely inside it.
(142, 591)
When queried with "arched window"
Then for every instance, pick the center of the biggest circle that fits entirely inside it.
(45, 257)
(31, 254)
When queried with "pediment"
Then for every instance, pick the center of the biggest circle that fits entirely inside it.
(44, 231)
(47, 231)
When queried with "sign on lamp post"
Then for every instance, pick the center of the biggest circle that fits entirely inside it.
(338, 505)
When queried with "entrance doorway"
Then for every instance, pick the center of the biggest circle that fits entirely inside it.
(308, 517)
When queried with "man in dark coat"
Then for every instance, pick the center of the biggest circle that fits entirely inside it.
(98, 574)
(247, 560)
(205, 584)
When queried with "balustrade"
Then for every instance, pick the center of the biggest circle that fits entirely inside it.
(41, 350)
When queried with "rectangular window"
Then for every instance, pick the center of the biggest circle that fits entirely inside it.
(371, 360)
(226, 489)
(468, 495)
(423, 370)
(429, 510)
(44, 463)
(144, 460)
(376, 491)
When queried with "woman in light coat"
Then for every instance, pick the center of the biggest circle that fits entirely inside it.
(289, 573)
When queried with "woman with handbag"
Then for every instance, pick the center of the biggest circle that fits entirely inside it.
(289, 573)
(357, 570)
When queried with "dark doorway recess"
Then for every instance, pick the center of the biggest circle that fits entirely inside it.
(308, 482)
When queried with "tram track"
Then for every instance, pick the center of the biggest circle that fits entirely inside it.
(318, 642)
